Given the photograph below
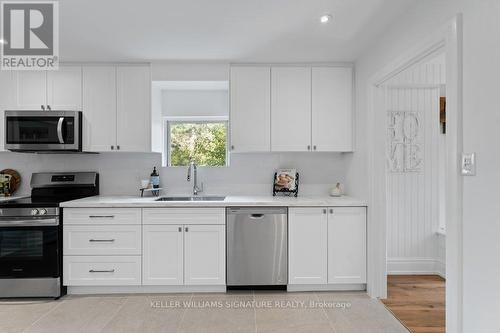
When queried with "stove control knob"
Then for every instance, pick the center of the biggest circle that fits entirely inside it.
(34, 211)
(42, 211)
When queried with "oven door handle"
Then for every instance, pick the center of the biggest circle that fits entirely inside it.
(59, 130)
(30, 223)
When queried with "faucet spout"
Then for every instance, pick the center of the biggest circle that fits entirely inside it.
(194, 169)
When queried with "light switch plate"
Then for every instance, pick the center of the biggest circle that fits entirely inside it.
(468, 164)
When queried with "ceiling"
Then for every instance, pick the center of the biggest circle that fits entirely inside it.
(222, 30)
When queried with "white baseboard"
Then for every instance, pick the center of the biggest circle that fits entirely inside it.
(84, 290)
(414, 266)
(327, 287)
(441, 269)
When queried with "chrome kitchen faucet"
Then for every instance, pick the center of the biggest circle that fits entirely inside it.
(194, 167)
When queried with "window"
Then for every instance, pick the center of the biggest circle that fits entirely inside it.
(204, 142)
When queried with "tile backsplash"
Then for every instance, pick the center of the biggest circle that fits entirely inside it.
(248, 174)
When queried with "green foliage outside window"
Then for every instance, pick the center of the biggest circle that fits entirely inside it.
(204, 143)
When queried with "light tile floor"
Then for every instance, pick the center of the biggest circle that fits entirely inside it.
(336, 312)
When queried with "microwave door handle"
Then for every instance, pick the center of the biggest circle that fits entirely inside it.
(59, 130)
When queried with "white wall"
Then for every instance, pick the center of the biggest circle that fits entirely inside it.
(481, 67)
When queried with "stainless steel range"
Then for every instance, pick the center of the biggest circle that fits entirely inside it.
(31, 234)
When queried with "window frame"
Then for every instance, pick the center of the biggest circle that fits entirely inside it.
(167, 121)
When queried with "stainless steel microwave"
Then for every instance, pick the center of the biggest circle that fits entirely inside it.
(43, 131)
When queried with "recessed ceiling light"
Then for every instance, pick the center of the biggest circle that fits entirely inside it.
(325, 18)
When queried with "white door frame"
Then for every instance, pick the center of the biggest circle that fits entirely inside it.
(448, 39)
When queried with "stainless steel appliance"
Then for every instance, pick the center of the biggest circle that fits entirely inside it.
(257, 242)
(43, 131)
(31, 234)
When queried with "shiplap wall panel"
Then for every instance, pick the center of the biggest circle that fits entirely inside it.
(413, 198)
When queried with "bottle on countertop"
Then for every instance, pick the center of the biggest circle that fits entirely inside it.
(155, 178)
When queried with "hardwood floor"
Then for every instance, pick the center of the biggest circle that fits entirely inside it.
(418, 301)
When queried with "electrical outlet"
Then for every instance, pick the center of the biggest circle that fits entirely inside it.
(468, 164)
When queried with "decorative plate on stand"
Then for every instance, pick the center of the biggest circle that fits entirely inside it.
(15, 179)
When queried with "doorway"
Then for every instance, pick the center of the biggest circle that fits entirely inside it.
(415, 112)
(447, 40)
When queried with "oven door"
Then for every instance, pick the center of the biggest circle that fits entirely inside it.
(28, 248)
(43, 130)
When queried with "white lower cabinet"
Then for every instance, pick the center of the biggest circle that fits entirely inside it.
(191, 252)
(347, 245)
(102, 240)
(327, 245)
(102, 270)
(307, 242)
(204, 254)
(150, 247)
(163, 252)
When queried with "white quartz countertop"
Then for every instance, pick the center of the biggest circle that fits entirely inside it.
(4, 199)
(230, 201)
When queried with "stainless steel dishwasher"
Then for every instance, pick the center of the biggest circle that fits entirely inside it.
(257, 243)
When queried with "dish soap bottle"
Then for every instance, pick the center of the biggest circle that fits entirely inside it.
(155, 178)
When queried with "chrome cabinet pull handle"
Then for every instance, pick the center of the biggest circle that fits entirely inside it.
(101, 240)
(308, 147)
(102, 271)
(180, 229)
(314, 147)
(101, 216)
(49, 108)
(43, 107)
(324, 211)
(331, 211)
(186, 229)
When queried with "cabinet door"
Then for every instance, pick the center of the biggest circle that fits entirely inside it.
(134, 108)
(307, 245)
(7, 100)
(64, 88)
(31, 90)
(99, 108)
(162, 255)
(290, 109)
(347, 245)
(250, 109)
(205, 255)
(332, 108)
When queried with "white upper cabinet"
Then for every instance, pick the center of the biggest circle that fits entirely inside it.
(117, 108)
(64, 88)
(99, 108)
(290, 108)
(250, 109)
(133, 130)
(307, 244)
(7, 100)
(332, 95)
(31, 90)
(347, 245)
(55, 90)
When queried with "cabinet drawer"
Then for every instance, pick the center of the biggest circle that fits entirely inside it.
(92, 216)
(102, 240)
(102, 271)
(184, 216)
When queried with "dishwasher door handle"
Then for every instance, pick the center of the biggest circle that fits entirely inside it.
(257, 216)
